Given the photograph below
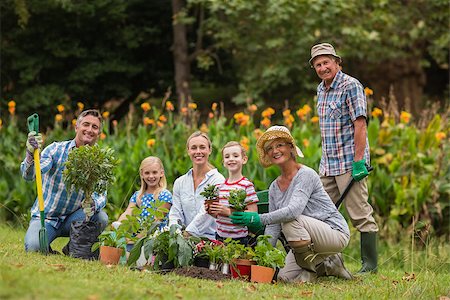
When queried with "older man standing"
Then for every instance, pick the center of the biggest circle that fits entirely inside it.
(342, 109)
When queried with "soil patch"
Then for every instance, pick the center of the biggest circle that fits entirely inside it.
(202, 273)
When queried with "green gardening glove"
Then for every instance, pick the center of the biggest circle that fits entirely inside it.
(248, 218)
(359, 170)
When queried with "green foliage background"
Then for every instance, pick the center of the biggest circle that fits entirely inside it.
(409, 187)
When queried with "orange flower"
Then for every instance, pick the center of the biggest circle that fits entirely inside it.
(192, 105)
(305, 143)
(301, 113)
(80, 105)
(376, 112)
(114, 122)
(268, 112)
(146, 106)
(159, 123)
(184, 111)
(214, 106)
(211, 115)
(265, 122)
(315, 119)
(60, 108)
(289, 120)
(204, 128)
(241, 118)
(286, 113)
(1, 123)
(307, 109)
(74, 122)
(58, 117)
(162, 118)
(257, 133)
(12, 107)
(148, 121)
(102, 136)
(244, 143)
(440, 136)
(150, 143)
(169, 106)
(105, 114)
(368, 91)
(405, 117)
(252, 108)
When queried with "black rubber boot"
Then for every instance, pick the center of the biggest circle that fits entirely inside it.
(369, 253)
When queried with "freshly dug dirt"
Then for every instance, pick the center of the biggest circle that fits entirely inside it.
(202, 273)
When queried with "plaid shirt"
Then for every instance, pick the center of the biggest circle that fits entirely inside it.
(338, 107)
(58, 204)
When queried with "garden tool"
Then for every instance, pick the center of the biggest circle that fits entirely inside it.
(33, 125)
(349, 186)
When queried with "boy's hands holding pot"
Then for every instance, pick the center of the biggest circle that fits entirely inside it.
(216, 209)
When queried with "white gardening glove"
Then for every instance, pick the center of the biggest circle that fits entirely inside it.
(34, 141)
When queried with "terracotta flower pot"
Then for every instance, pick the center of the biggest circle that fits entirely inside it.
(110, 255)
(241, 268)
(261, 274)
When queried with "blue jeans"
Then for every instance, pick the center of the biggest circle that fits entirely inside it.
(32, 235)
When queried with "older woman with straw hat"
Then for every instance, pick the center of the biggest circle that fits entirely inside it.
(301, 209)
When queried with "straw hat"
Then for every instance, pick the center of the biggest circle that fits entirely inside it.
(274, 132)
(323, 49)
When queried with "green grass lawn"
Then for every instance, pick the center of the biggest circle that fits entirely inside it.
(35, 276)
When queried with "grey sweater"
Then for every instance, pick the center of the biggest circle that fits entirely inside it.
(304, 196)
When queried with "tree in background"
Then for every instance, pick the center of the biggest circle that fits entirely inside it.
(89, 51)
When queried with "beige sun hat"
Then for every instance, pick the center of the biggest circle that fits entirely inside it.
(272, 133)
(323, 49)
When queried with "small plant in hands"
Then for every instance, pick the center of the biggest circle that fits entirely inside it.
(266, 255)
(90, 169)
(236, 199)
(211, 194)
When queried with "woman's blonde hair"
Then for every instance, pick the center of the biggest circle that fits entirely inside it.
(204, 135)
(162, 184)
(234, 143)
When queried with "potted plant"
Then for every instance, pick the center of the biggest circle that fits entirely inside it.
(112, 244)
(267, 259)
(169, 247)
(214, 250)
(89, 169)
(201, 258)
(236, 199)
(211, 194)
(239, 257)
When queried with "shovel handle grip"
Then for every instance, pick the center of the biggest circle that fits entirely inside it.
(33, 123)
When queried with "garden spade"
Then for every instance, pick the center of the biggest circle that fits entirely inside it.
(33, 125)
(349, 186)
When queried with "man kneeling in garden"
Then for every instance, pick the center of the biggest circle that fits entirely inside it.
(62, 207)
(301, 209)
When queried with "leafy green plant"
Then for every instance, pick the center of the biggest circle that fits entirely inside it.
(236, 199)
(168, 245)
(111, 238)
(211, 192)
(90, 169)
(235, 250)
(214, 250)
(266, 255)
